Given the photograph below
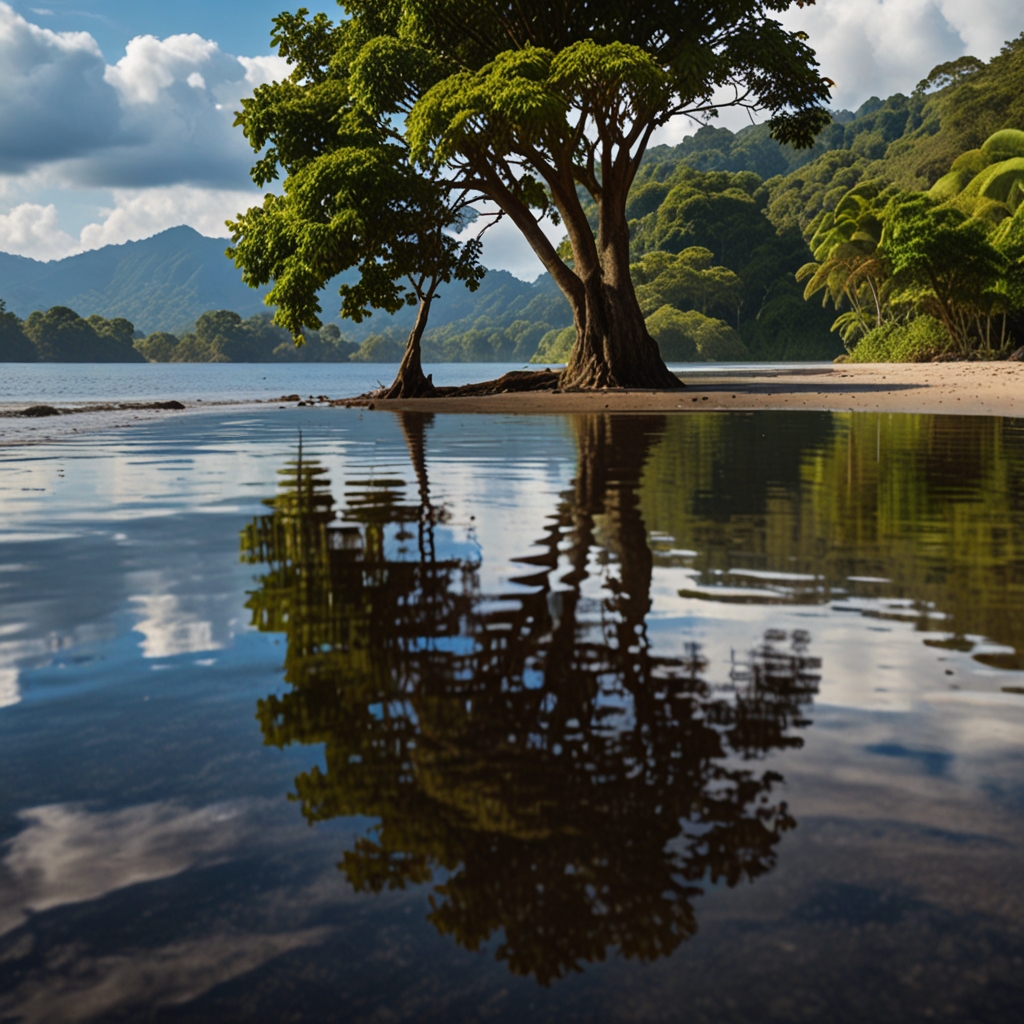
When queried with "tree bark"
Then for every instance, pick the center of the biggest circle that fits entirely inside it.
(410, 381)
(613, 348)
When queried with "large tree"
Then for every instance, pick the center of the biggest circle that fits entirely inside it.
(549, 110)
(546, 111)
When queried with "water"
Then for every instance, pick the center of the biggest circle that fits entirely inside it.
(143, 382)
(711, 717)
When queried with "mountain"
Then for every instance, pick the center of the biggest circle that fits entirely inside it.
(164, 283)
(161, 283)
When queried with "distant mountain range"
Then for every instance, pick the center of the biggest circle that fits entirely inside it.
(161, 283)
(165, 282)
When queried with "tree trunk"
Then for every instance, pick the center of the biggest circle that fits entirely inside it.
(613, 348)
(410, 381)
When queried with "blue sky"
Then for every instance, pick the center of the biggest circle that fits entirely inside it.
(115, 115)
(240, 26)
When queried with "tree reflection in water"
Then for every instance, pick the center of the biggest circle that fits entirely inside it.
(572, 786)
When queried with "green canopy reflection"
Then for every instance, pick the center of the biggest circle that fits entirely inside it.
(563, 785)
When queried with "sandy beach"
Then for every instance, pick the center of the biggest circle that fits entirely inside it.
(966, 389)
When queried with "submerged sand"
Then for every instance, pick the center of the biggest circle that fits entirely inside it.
(969, 389)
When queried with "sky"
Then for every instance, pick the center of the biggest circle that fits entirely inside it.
(115, 115)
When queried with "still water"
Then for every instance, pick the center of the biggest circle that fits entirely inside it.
(328, 715)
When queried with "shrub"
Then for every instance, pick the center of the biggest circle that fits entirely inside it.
(916, 341)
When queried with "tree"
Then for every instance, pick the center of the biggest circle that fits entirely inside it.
(14, 346)
(352, 199)
(535, 108)
(848, 266)
(60, 335)
(535, 105)
(944, 265)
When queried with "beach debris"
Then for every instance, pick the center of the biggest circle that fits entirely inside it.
(172, 404)
(40, 410)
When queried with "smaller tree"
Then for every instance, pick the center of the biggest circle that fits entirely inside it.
(945, 265)
(352, 200)
(14, 346)
(848, 266)
(60, 335)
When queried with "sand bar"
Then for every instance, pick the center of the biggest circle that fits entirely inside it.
(968, 389)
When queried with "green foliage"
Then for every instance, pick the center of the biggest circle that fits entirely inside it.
(14, 346)
(548, 111)
(157, 347)
(915, 341)
(923, 135)
(692, 337)
(351, 198)
(786, 327)
(951, 255)
(60, 335)
(848, 265)
(221, 336)
(555, 346)
(943, 264)
(687, 281)
(677, 262)
(379, 348)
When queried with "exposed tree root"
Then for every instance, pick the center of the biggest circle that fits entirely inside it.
(516, 381)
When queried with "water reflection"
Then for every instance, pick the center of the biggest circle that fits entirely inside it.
(909, 517)
(564, 785)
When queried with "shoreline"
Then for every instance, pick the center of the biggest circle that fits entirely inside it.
(963, 389)
(959, 389)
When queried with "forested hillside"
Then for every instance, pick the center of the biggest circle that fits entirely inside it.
(161, 283)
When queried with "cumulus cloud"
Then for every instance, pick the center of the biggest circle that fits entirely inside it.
(878, 47)
(139, 213)
(33, 230)
(161, 115)
(54, 100)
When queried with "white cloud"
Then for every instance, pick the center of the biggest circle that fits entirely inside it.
(139, 213)
(33, 230)
(878, 47)
(261, 70)
(150, 65)
(161, 115)
(169, 629)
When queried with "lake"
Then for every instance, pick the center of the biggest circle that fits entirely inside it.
(327, 714)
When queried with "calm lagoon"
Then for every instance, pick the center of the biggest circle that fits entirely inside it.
(322, 714)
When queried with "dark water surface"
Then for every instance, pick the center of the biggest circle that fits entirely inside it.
(712, 717)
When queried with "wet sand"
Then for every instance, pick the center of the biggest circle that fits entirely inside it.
(970, 389)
